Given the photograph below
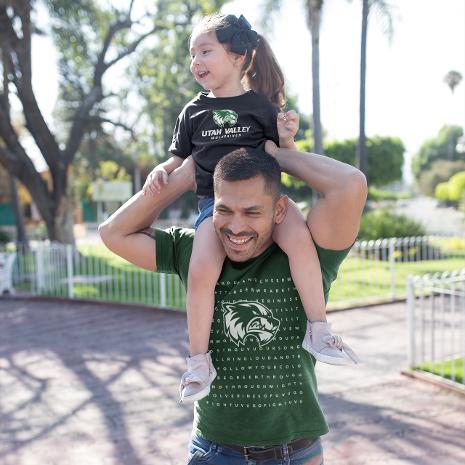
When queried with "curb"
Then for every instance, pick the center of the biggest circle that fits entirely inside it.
(436, 380)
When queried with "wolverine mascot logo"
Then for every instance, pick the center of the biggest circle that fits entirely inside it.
(245, 320)
(222, 117)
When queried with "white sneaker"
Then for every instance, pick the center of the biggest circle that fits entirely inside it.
(195, 383)
(325, 346)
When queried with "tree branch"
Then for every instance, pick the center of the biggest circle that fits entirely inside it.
(99, 119)
(130, 49)
(17, 54)
(95, 95)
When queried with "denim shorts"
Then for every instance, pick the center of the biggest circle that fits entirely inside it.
(205, 210)
(202, 451)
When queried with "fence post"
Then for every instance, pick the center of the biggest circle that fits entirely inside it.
(162, 289)
(411, 321)
(69, 269)
(392, 260)
(40, 268)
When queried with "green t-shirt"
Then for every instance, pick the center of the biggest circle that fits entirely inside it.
(266, 390)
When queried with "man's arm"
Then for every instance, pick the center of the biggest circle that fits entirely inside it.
(334, 220)
(127, 232)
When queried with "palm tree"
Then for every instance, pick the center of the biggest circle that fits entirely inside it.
(452, 79)
(383, 9)
(313, 11)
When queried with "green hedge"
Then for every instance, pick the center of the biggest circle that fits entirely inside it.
(382, 224)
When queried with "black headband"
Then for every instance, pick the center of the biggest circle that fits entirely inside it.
(238, 34)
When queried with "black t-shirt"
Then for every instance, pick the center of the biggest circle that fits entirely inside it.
(209, 128)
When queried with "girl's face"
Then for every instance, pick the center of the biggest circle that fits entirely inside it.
(214, 67)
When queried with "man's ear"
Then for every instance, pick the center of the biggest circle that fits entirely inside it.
(280, 209)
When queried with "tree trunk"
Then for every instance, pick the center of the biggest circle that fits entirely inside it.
(21, 238)
(314, 21)
(362, 154)
(63, 222)
(55, 202)
(57, 212)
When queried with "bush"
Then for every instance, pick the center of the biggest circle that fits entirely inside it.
(442, 191)
(440, 171)
(4, 237)
(456, 186)
(382, 224)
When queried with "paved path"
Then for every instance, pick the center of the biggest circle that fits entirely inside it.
(84, 384)
(435, 219)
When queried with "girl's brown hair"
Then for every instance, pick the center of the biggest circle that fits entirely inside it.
(260, 71)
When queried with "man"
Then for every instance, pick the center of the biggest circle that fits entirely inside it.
(263, 404)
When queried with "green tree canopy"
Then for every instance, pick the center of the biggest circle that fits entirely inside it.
(442, 147)
(385, 156)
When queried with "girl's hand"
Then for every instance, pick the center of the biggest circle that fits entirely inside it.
(271, 148)
(288, 125)
(157, 178)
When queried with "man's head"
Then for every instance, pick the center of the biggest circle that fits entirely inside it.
(248, 203)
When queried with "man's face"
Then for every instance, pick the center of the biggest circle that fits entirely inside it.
(244, 217)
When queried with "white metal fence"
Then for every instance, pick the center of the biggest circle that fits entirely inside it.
(436, 324)
(374, 271)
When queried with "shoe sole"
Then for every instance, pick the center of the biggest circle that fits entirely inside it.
(326, 359)
(201, 394)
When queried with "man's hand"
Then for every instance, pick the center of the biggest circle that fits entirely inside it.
(288, 125)
(157, 178)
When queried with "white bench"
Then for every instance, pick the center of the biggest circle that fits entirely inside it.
(7, 261)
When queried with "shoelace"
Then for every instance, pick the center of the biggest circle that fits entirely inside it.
(336, 341)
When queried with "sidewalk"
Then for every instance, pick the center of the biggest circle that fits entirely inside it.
(84, 384)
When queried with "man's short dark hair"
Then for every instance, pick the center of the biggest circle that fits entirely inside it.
(246, 163)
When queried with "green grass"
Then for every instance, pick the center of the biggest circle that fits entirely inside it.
(112, 278)
(377, 195)
(446, 369)
(362, 280)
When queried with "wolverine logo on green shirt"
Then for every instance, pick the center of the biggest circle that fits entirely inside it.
(245, 320)
(221, 117)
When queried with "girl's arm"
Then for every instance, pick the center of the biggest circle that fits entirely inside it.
(159, 175)
(126, 232)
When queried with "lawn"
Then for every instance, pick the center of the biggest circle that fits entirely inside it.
(101, 275)
(450, 369)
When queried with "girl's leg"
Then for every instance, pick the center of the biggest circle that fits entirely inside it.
(294, 238)
(204, 270)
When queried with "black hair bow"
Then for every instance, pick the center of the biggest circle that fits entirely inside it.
(238, 34)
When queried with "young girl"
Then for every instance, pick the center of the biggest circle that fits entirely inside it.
(240, 108)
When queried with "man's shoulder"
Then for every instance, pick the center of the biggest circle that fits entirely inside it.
(173, 250)
(175, 233)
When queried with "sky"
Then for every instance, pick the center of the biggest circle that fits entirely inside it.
(406, 94)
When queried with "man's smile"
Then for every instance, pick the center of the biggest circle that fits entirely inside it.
(238, 241)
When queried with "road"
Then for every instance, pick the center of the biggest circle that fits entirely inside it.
(435, 219)
(98, 385)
